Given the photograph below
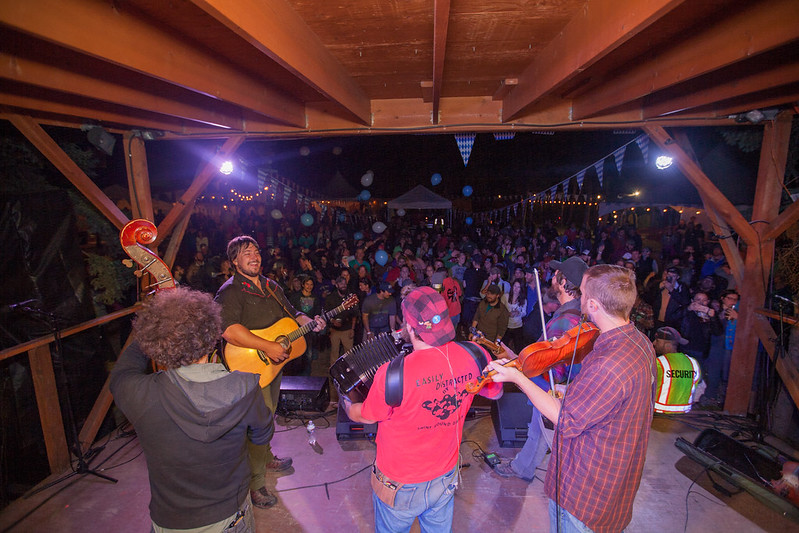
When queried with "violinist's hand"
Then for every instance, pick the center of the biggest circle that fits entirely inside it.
(509, 374)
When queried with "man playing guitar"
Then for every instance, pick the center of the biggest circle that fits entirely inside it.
(251, 301)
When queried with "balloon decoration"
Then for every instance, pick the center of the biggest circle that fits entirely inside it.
(381, 257)
(378, 227)
(467, 190)
(305, 151)
(358, 236)
(401, 212)
(306, 219)
(368, 178)
(435, 179)
(276, 214)
(365, 195)
(469, 221)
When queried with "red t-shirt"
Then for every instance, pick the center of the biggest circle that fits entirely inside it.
(452, 295)
(419, 440)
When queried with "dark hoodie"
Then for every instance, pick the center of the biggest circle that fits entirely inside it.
(193, 424)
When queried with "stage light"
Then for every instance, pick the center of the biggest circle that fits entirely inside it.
(226, 168)
(663, 162)
(100, 138)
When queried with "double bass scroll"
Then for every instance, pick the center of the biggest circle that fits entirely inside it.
(133, 236)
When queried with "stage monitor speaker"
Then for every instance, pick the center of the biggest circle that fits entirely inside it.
(346, 429)
(511, 415)
(304, 393)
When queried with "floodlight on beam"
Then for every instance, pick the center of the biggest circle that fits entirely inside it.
(226, 168)
(100, 139)
(663, 162)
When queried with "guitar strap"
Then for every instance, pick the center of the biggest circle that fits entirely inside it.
(394, 372)
(269, 289)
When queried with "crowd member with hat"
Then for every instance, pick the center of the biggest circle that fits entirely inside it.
(566, 284)
(679, 375)
(379, 311)
(418, 440)
(492, 316)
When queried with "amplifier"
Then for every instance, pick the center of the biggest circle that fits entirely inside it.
(346, 429)
(304, 393)
(511, 415)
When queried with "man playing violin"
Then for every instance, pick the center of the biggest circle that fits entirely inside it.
(566, 285)
(251, 301)
(602, 423)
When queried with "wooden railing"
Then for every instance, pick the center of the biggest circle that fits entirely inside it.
(47, 401)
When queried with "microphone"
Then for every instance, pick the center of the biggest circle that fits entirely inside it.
(26, 303)
(783, 298)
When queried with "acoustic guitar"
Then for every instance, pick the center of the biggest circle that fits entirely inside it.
(285, 332)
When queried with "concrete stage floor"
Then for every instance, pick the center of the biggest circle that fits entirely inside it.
(328, 490)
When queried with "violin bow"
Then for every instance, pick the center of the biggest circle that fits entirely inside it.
(543, 323)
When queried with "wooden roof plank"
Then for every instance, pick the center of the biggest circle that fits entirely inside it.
(108, 32)
(598, 29)
(56, 78)
(440, 27)
(758, 28)
(274, 28)
(698, 97)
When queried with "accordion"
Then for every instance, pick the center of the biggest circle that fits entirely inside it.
(354, 371)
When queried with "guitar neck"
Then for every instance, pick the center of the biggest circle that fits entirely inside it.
(307, 328)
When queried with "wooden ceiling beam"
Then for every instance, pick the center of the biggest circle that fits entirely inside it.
(109, 32)
(83, 114)
(788, 97)
(275, 29)
(783, 221)
(48, 147)
(440, 28)
(660, 104)
(697, 177)
(757, 28)
(57, 78)
(597, 30)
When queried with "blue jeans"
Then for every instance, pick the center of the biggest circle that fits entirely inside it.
(535, 447)
(568, 522)
(432, 501)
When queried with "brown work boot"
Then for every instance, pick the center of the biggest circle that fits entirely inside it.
(262, 499)
(278, 464)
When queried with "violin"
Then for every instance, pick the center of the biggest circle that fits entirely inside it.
(143, 231)
(540, 356)
(477, 336)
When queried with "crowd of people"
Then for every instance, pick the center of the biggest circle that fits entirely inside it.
(487, 275)
(509, 286)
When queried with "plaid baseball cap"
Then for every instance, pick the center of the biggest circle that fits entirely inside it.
(426, 312)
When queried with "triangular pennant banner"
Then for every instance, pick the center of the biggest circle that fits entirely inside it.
(504, 135)
(465, 142)
(618, 156)
(643, 144)
(599, 166)
(580, 178)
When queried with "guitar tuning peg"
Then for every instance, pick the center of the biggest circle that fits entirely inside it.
(128, 263)
(138, 273)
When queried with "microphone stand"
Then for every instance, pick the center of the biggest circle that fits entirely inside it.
(62, 389)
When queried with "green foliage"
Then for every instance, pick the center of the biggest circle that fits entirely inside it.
(750, 139)
(110, 278)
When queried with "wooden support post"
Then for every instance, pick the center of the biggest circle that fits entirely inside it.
(48, 147)
(785, 366)
(175, 240)
(44, 385)
(757, 265)
(141, 200)
(186, 202)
